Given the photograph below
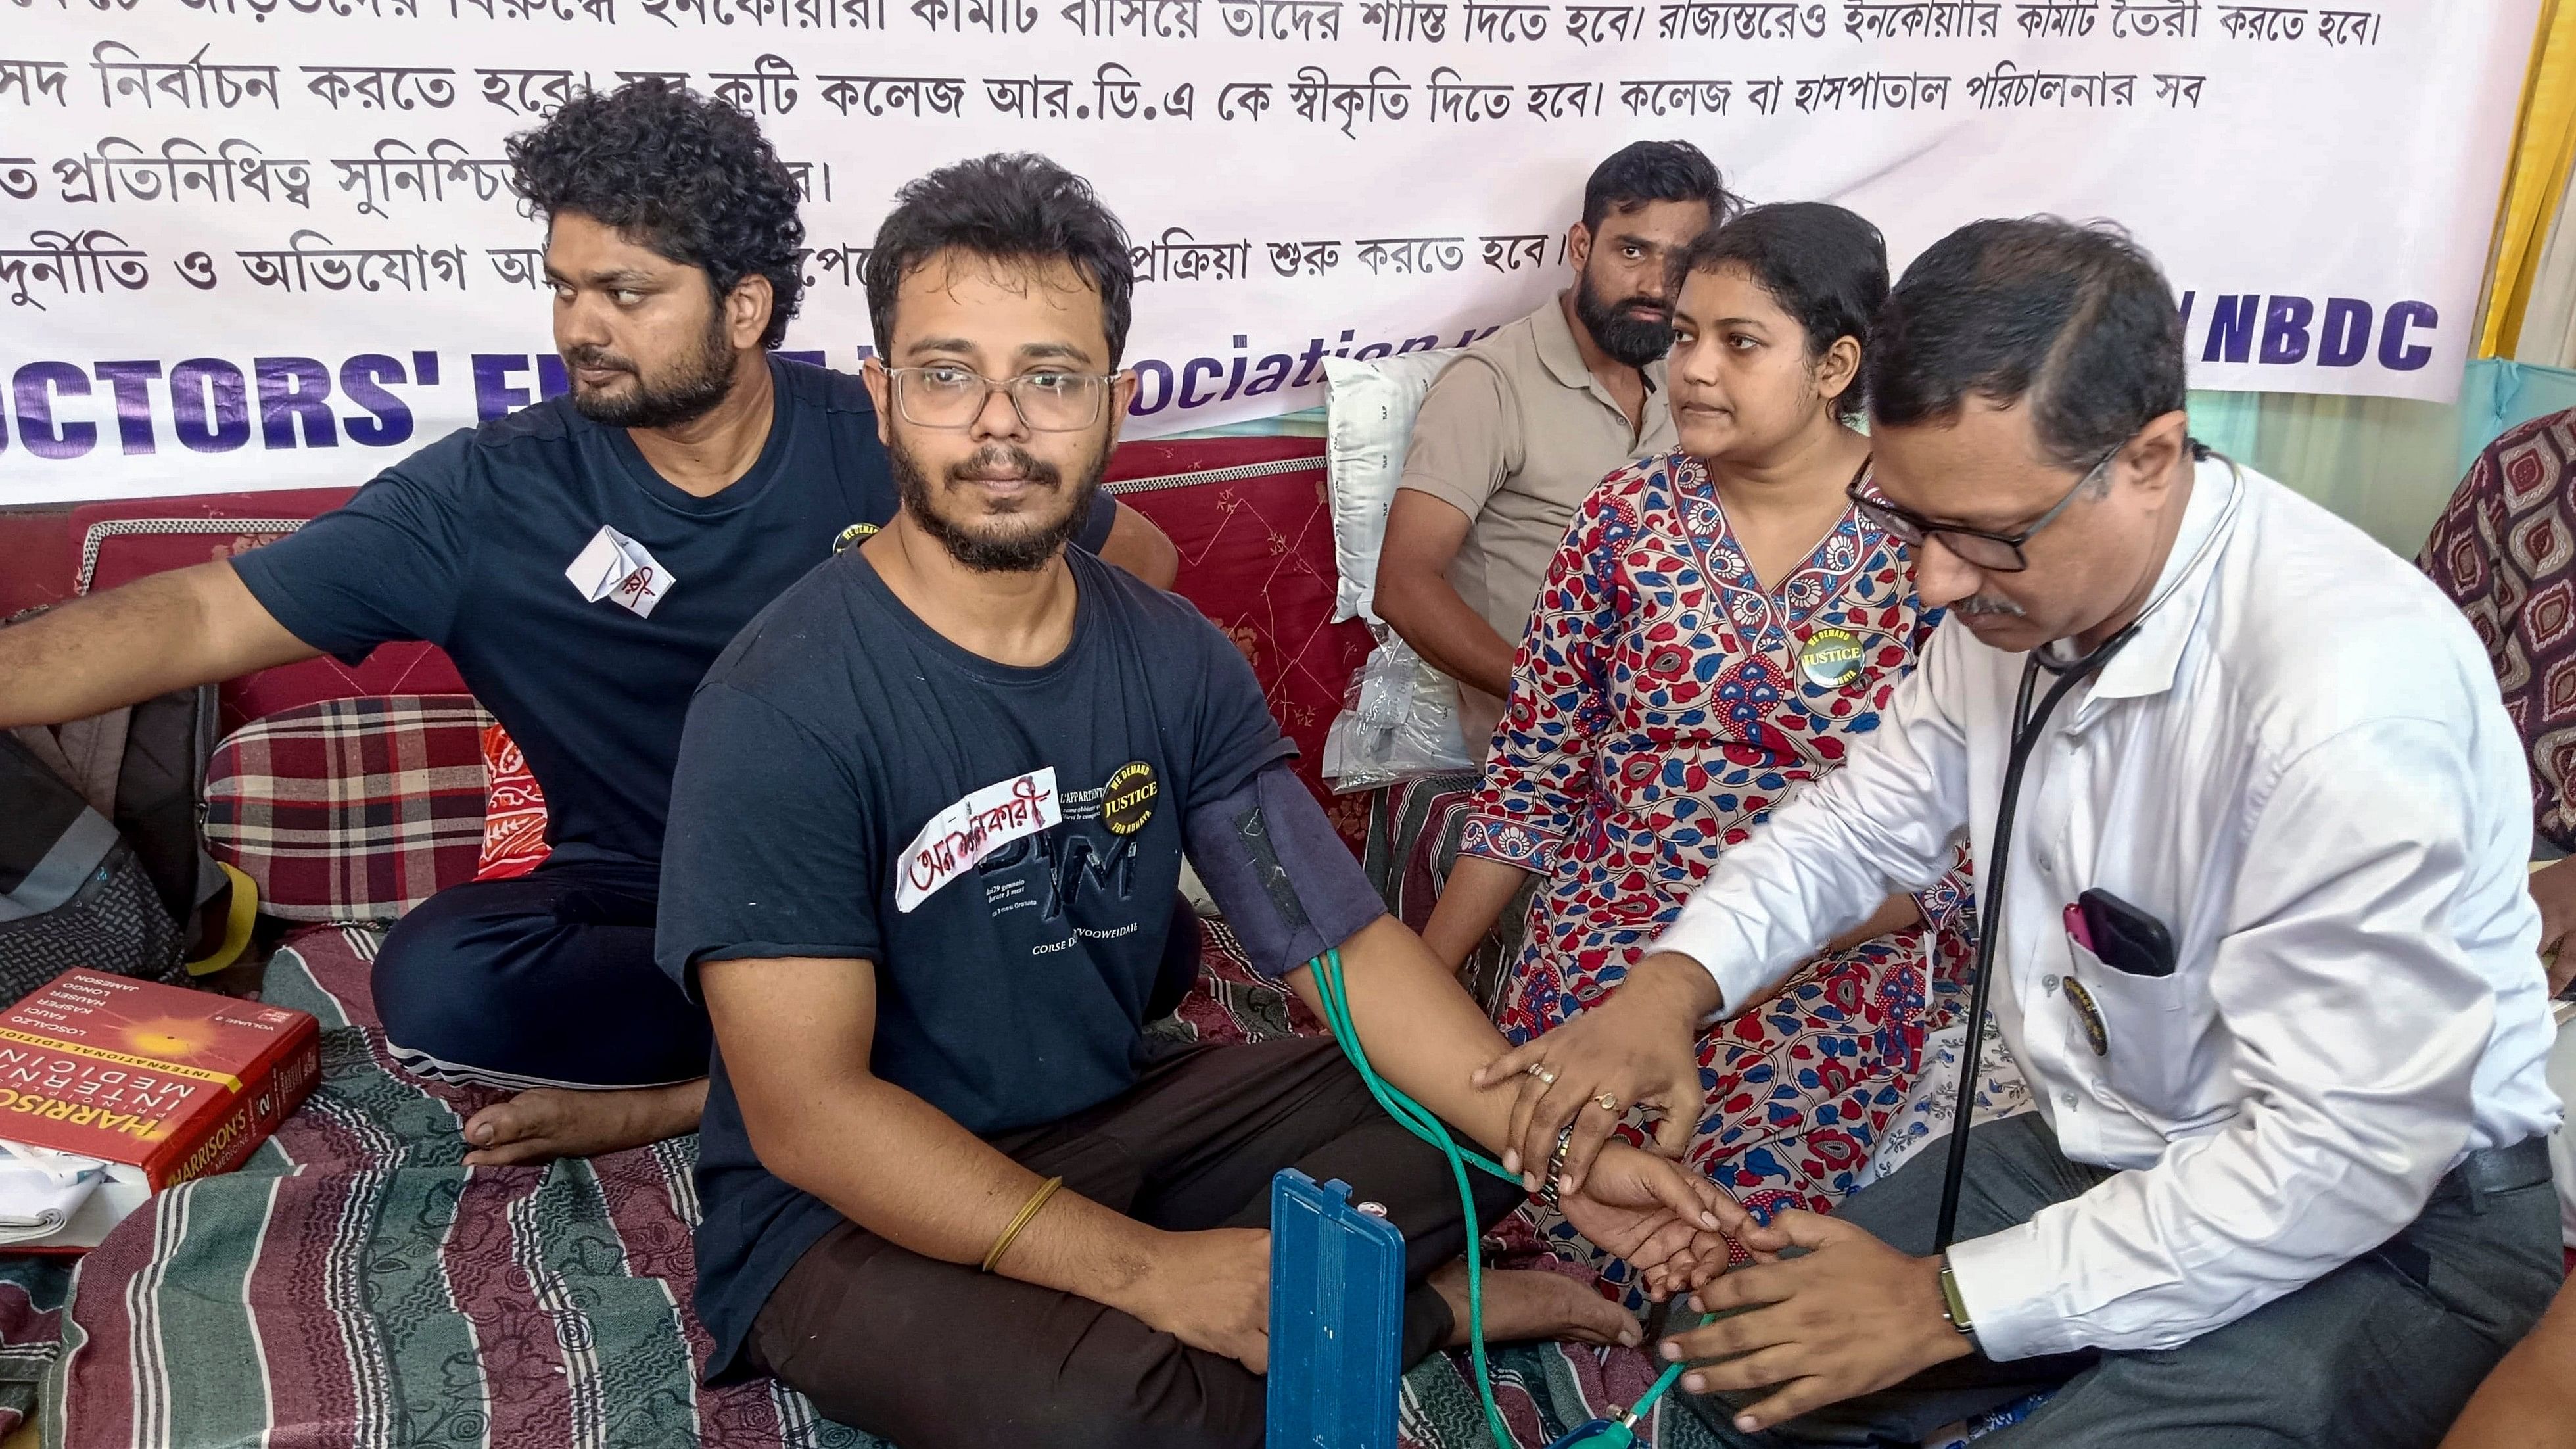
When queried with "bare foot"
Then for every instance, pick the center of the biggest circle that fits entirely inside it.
(1532, 1303)
(550, 1122)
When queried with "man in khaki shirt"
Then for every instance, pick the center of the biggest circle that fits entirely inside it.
(1526, 421)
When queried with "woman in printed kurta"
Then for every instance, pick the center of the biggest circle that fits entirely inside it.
(1718, 627)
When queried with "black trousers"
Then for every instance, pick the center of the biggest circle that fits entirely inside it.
(936, 1355)
(546, 980)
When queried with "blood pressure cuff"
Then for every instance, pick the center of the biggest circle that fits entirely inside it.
(1288, 886)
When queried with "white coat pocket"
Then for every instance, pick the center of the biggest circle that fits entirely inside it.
(2134, 1026)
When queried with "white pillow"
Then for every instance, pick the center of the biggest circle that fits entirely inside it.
(1369, 408)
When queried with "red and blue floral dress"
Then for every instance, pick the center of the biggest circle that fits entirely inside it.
(1663, 703)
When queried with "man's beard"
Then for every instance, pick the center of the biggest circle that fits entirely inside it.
(1005, 550)
(1631, 340)
(692, 389)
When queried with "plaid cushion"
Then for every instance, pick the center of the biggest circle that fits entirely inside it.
(514, 810)
(351, 809)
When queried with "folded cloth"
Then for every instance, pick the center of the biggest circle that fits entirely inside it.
(40, 1189)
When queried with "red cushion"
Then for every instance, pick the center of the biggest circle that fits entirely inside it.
(117, 543)
(1256, 541)
(1248, 514)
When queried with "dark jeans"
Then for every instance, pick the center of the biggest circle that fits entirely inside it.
(547, 980)
(2382, 1351)
(935, 1355)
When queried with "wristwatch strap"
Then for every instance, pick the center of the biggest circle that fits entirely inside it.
(1954, 1307)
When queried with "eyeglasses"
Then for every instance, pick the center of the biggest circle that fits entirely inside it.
(944, 395)
(1994, 553)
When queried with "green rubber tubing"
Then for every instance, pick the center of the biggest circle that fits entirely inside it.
(1419, 1120)
(1421, 1123)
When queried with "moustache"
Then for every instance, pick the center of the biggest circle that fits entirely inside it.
(1656, 306)
(599, 357)
(1982, 604)
(1004, 459)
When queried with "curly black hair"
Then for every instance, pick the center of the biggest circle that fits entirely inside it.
(691, 178)
(1008, 207)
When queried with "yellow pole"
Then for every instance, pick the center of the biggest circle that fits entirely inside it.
(2544, 148)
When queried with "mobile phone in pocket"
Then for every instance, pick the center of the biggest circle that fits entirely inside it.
(2125, 938)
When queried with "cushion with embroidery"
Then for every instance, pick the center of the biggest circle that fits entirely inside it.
(514, 810)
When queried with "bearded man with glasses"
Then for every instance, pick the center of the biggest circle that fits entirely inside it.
(925, 850)
(2263, 946)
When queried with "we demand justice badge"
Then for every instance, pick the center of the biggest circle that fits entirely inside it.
(1830, 657)
(1128, 800)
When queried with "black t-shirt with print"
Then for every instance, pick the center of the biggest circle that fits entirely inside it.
(1003, 843)
(465, 544)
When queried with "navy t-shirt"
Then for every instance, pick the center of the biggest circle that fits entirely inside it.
(466, 542)
(833, 800)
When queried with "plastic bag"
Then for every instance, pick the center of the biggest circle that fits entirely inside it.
(1399, 720)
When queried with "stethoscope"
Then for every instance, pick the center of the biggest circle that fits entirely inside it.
(2028, 728)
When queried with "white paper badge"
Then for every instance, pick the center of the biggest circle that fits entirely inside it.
(964, 833)
(618, 568)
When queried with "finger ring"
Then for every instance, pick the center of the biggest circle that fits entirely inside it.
(1540, 1071)
(1606, 1102)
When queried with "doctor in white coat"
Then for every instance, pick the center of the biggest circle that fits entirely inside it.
(2263, 948)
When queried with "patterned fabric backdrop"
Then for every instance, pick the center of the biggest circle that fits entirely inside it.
(1256, 542)
(2502, 551)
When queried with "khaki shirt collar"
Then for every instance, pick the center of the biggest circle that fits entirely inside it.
(1563, 359)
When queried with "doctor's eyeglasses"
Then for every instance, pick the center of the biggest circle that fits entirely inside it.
(944, 395)
(1994, 553)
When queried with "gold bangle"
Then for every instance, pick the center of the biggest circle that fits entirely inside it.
(1028, 1211)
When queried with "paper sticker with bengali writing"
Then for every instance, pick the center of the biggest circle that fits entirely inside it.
(963, 834)
(617, 568)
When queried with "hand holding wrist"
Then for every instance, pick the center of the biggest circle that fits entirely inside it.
(1850, 1316)
(1577, 1082)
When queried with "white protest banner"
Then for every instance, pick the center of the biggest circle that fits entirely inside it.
(269, 243)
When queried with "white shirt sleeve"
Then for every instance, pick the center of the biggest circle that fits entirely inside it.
(2358, 1022)
(1885, 820)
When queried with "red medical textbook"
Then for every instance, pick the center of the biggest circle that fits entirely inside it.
(162, 1084)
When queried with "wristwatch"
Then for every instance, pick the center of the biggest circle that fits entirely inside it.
(1954, 1308)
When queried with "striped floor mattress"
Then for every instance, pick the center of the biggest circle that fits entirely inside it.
(357, 1287)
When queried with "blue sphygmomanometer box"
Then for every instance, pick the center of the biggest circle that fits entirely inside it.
(1336, 1317)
